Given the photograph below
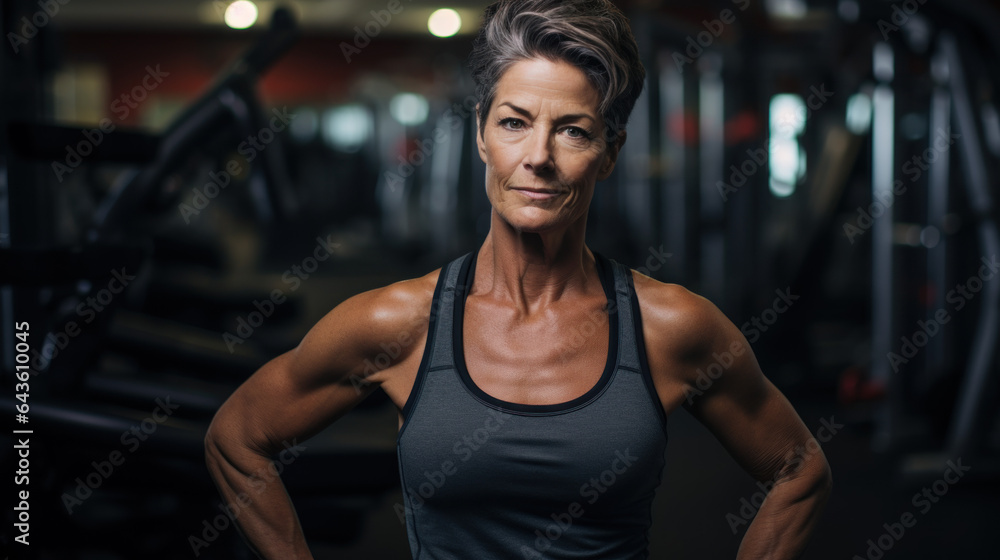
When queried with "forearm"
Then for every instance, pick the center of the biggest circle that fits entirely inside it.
(788, 516)
(261, 508)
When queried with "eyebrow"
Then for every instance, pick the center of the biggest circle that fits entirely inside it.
(564, 118)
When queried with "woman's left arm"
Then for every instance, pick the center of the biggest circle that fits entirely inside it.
(714, 374)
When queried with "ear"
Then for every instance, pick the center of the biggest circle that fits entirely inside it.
(611, 156)
(479, 136)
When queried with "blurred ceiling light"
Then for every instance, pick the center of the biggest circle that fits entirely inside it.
(883, 61)
(241, 14)
(849, 10)
(444, 22)
(786, 158)
(787, 166)
(792, 9)
(348, 127)
(788, 115)
(930, 236)
(859, 113)
(410, 109)
(918, 32)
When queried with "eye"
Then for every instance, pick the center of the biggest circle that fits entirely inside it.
(511, 123)
(577, 132)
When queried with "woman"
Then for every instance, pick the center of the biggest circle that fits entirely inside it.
(537, 376)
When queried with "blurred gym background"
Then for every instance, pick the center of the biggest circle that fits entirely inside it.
(186, 186)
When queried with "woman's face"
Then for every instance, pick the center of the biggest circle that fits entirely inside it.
(543, 145)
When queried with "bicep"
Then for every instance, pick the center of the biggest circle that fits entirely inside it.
(750, 417)
(297, 394)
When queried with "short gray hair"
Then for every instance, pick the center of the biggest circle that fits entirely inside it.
(592, 35)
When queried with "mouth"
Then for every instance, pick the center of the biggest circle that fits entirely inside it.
(537, 194)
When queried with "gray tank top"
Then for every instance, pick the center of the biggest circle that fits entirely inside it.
(484, 478)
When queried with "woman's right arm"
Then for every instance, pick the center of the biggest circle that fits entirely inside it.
(296, 395)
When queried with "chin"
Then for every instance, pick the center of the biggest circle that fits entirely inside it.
(533, 220)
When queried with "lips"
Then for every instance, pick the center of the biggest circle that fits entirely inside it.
(537, 194)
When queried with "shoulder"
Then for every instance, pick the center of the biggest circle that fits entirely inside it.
(398, 303)
(383, 320)
(678, 316)
(683, 331)
(382, 311)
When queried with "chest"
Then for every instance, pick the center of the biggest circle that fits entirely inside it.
(549, 358)
(605, 455)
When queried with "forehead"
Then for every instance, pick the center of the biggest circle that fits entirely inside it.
(529, 83)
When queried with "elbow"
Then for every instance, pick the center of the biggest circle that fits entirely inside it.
(211, 448)
(810, 478)
(226, 447)
(820, 478)
(218, 440)
(213, 445)
(826, 479)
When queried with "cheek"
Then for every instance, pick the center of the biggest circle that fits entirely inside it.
(501, 163)
(504, 156)
(579, 168)
(586, 169)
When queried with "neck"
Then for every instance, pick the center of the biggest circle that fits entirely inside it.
(534, 269)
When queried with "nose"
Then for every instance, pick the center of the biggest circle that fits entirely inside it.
(538, 154)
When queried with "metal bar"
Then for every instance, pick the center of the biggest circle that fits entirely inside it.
(937, 207)
(673, 154)
(981, 353)
(711, 116)
(883, 173)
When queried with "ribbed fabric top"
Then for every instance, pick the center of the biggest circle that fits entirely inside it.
(484, 478)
